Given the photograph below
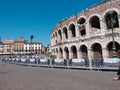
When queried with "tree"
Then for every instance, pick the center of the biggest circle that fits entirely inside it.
(52, 56)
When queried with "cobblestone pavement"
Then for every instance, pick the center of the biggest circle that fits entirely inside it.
(16, 77)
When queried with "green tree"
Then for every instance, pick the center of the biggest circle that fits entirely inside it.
(52, 56)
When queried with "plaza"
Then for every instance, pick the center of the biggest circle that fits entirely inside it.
(16, 77)
(83, 53)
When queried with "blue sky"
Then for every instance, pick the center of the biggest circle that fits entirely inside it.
(36, 17)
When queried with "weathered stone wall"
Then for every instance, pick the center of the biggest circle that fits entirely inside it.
(93, 37)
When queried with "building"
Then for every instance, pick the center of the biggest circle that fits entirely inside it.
(92, 33)
(32, 47)
(1, 48)
(44, 49)
(19, 46)
(49, 49)
(8, 47)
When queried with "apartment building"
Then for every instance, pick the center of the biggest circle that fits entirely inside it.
(19, 46)
(8, 48)
(1, 48)
(32, 47)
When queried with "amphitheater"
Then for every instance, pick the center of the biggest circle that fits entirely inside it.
(92, 33)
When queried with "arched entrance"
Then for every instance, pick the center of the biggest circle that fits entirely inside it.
(60, 34)
(82, 29)
(66, 53)
(112, 15)
(83, 50)
(110, 49)
(61, 53)
(56, 52)
(97, 50)
(95, 22)
(74, 51)
(65, 32)
(72, 29)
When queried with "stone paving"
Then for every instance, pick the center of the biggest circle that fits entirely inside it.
(16, 77)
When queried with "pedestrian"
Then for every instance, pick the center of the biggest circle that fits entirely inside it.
(118, 73)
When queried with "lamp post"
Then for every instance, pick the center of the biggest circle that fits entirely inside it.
(31, 38)
(112, 22)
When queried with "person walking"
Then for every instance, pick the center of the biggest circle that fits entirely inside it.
(118, 73)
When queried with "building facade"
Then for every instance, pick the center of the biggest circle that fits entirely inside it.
(19, 46)
(32, 47)
(44, 49)
(92, 33)
(8, 47)
(1, 48)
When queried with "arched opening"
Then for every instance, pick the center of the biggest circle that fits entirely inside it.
(56, 52)
(111, 19)
(74, 51)
(61, 53)
(60, 34)
(56, 34)
(53, 50)
(95, 22)
(110, 49)
(83, 32)
(97, 50)
(56, 41)
(66, 53)
(83, 50)
(72, 29)
(53, 36)
(82, 29)
(65, 32)
(81, 21)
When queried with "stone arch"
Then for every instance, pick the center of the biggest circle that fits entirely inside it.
(95, 22)
(111, 9)
(60, 53)
(95, 14)
(110, 49)
(60, 34)
(53, 35)
(66, 50)
(83, 49)
(74, 51)
(111, 19)
(72, 29)
(53, 50)
(56, 41)
(97, 50)
(65, 32)
(82, 26)
(56, 50)
(56, 34)
(81, 20)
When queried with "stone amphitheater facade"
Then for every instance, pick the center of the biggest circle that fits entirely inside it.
(89, 34)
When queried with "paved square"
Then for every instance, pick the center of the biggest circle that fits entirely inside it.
(16, 77)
